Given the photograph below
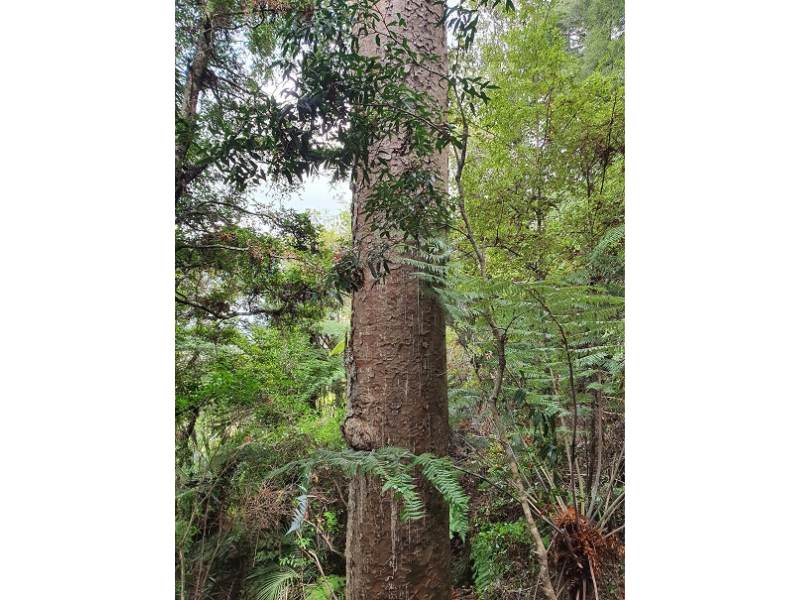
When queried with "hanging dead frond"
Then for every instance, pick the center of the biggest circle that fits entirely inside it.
(581, 552)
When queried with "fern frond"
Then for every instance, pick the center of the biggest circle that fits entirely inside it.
(272, 583)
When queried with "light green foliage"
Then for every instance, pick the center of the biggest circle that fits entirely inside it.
(596, 29)
(490, 553)
(543, 190)
(273, 584)
(265, 373)
(324, 431)
(547, 150)
(287, 584)
(326, 588)
(534, 286)
(550, 325)
(248, 400)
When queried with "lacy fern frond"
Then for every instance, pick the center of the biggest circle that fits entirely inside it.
(397, 469)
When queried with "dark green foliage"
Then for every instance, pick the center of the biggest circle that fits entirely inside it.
(248, 402)
(424, 210)
(493, 559)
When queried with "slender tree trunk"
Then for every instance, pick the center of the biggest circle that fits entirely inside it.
(516, 477)
(191, 94)
(397, 388)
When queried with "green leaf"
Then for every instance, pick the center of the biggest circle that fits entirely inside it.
(338, 349)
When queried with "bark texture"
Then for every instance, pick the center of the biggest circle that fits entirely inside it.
(397, 387)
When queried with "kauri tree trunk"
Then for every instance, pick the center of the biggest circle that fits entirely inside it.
(397, 387)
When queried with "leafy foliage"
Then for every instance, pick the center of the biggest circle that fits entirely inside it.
(395, 467)
(491, 550)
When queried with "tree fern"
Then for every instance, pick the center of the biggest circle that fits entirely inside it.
(396, 468)
(273, 583)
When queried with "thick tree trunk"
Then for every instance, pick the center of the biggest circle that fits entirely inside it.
(397, 388)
